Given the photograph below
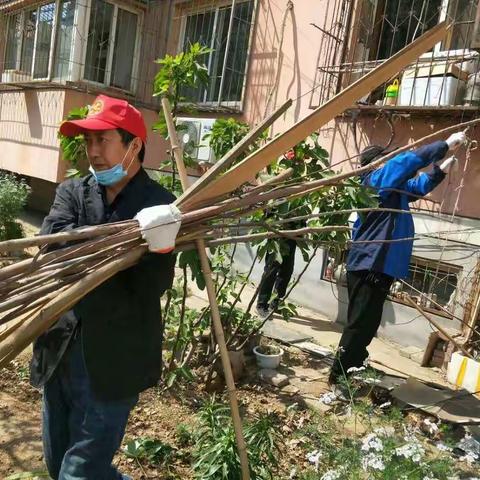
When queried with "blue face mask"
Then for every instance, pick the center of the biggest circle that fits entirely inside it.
(112, 175)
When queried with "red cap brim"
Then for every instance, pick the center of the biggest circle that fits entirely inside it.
(72, 128)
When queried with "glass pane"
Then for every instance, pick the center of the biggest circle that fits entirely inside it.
(98, 40)
(124, 50)
(63, 50)
(14, 34)
(403, 21)
(237, 53)
(28, 41)
(46, 14)
(198, 28)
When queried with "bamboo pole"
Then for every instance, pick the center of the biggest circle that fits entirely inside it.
(70, 235)
(215, 313)
(322, 115)
(301, 189)
(437, 325)
(48, 314)
(229, 158)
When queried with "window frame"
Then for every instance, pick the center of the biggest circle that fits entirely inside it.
(442, 266)
(234, 104)
(437, 52)
(78, 51)
(111, 47)
(18, 58)
(23, 13)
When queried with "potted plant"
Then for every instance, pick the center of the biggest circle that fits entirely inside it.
(268, 356)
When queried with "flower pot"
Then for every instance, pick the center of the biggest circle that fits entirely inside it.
(270, 360)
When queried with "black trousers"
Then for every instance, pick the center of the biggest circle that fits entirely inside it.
(276, 274)
(367, 292)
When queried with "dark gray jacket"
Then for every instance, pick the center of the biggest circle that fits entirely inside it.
(120, 321)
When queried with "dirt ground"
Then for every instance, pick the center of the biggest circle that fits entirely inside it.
(157, 415)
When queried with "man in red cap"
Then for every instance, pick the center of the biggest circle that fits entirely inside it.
(94, 362)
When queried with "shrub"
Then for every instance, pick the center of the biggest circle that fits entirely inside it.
(13, 197)
(215, 455)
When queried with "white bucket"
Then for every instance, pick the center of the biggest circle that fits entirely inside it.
(464, 372)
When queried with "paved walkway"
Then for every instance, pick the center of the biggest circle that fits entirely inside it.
(310, 326)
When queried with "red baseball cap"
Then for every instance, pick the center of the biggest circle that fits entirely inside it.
(107, 113)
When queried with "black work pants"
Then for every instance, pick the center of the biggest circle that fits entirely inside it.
(276, 274)
(367, 292)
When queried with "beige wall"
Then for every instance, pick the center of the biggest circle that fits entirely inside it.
(29, 121)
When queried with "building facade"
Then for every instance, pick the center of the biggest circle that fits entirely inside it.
(59, 54)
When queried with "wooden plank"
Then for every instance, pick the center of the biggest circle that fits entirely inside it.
(227, 160)
(258, 160)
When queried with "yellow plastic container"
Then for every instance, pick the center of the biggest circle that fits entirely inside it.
(391, 94)
(464, 372)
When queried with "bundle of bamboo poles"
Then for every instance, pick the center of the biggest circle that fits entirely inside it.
(34, 292)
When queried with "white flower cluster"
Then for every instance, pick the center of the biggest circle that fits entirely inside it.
(431, 427)
(373, 461)
(330, 475)
(385, 431)
(328, 398)
(442, 447)
(355, 369)
(372, 442)
(412, 450)
(470, 458)
(314, 458)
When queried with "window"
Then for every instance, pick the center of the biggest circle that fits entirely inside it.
(65, 32)
(227, 63)
(30, 38)
(430, 283)
(14, 33)
(386, 26)
(112, 45)
(46, 14)
(437, 281)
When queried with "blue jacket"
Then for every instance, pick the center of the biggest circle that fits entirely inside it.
(398, 174)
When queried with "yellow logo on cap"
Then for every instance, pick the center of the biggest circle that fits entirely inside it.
(95, 108)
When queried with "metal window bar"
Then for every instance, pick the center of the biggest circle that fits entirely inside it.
(226, 28)
(444, 77)
(437, 281)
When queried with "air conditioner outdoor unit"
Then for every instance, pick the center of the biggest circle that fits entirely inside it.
(191, 138)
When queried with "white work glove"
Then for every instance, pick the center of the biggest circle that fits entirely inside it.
(455, 140)
(159, 226)
(446, 165)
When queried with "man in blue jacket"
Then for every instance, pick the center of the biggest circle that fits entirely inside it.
(378, 255)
